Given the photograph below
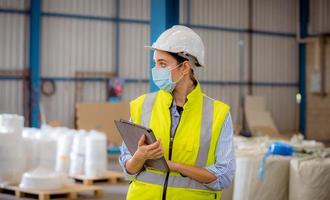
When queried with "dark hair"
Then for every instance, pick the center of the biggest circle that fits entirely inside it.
(181, 59)
(178, 58)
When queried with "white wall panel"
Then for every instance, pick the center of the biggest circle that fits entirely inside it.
(135, 9)
(13, 35)
(183, 11)
(15, 4)
(13, 51)
(223, 56)
(134, 57)
(11, 97)
(275, 59)
(134, 90)
(319, 16)
(70, 45)
(94, 91)
(275, 15)
(82, 7)
(228, 94)
(226, 13)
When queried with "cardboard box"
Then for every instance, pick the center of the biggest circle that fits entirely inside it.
(258, 120)
(101, 116)
(255, 103)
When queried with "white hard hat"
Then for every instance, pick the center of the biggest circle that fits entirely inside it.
(183, 41)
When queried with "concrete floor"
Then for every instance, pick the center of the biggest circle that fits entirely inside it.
(110, 191)
(113, 192)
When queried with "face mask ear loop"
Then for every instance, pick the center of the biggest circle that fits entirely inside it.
(182, 75)
(177, 66)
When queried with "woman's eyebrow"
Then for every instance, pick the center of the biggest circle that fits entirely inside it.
(161, 60)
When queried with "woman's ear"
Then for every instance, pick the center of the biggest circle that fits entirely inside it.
(186, 66)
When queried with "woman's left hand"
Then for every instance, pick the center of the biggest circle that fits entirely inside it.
(173, 166)
(197, 173)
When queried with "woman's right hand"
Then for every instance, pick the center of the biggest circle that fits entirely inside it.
(146, 152)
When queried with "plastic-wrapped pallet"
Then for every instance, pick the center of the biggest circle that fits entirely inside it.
(31, 145)
(12, 123)
(96, 154)
(42, 179)
(309, 178)
(64, 145)
(11, 149)
(77, 156)
(48, 148)
(248, 185)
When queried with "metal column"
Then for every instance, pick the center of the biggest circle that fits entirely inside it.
(164, 14)
(303, 16)
(34, 61)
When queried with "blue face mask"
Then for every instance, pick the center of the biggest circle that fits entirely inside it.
(163, 79)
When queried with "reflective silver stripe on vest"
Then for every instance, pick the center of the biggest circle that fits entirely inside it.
(206, 131)
(173, 181)
(148, 103)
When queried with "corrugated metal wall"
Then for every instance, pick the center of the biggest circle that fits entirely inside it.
(319, 16)
(13, 53)
(84, 35)
(224, 27)
(133, 57)
(275, 58)
(318, 106)
(90, 36)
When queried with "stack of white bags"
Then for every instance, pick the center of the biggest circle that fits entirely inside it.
(96, 155)
(11, 149)
(48, 155)
(89, 155)
(298, 177)
(77, 156)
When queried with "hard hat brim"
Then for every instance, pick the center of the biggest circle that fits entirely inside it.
(153, 48)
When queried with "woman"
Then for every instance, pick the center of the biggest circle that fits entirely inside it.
(194, 132)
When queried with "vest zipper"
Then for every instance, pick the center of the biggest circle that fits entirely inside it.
(170, 155)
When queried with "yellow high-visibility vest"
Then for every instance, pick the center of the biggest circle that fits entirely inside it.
(194, 143)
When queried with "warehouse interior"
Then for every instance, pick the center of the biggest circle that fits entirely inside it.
(69, 68)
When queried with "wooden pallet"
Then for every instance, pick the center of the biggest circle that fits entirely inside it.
(68, 192)
(110, 177)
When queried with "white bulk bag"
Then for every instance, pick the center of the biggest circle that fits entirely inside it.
(11, 158)
(12, 123)
(64, 145)
(11, 148)
(249, 186)
(96, 154)
(48, 147)
(310, 178)
(77, 157)
(31, 148)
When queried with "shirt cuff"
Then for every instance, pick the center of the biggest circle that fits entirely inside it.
(122, 161)
(214, 185)
(128, 175)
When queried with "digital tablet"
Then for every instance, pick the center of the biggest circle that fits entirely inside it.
(131, 134)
